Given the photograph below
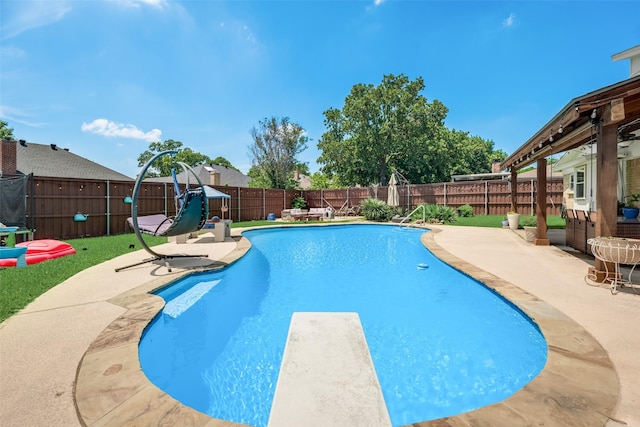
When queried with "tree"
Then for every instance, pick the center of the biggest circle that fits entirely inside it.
(163, 166)
(320, 180)
(473, 154)
(6, 133)
(258, 179)
(224, 162)
(276, 145)
(386, 127)
(302, 168)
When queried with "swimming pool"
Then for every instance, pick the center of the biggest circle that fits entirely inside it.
(441, 342)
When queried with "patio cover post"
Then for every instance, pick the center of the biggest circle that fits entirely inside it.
(606, 185)
(514, 189)
(541, 204)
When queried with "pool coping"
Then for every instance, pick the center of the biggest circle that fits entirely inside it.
(578, 386)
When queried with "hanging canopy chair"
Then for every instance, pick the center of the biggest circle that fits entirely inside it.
(192, 208)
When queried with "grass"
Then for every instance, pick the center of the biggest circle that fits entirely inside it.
(553, 221)
(20, 286)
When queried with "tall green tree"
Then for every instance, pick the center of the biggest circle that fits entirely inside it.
(320, 180)
(163, 166)
(224, 162)
(6, 133)
(472, 154)
(382, 128)
(258, 178)
(276, 144)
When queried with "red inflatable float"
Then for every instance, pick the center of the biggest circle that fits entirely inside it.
(41, 250)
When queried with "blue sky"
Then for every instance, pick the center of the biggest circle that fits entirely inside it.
(106, 78)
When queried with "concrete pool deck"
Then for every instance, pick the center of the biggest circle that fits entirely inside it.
(72, 353)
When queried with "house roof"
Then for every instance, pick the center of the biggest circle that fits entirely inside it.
(533, 173)
(228, 177)
(480, 176)
(572, 127)
(57, 162)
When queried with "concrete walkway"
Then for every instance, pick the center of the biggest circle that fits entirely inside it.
(42, 346)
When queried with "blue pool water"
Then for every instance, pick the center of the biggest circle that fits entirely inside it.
(441, 342)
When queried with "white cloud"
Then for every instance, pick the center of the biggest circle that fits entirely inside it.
(108, 128)
(510, 21)
(377, 2)
(21, 16)
(160, 4)
(12, 52)
(18, 115)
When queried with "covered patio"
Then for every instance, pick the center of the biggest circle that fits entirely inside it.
(606, 120)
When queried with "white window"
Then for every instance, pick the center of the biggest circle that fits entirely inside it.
(579, 184)
(572, 182)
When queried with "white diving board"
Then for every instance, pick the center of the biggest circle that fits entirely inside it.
(327, 378)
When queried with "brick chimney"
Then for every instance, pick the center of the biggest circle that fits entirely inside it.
(214, 177)
(296, 175)
(8, 158)
(495, 166)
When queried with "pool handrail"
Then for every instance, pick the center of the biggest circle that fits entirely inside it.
(408, 217)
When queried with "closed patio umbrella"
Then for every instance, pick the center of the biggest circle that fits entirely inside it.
(393, 198)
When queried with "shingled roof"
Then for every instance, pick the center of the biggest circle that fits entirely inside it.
(56, 162)
(229, 177)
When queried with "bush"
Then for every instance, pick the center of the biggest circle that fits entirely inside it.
(399, 211)
(465, 211)
(298, 203)
(528, 221)
(376, 210)
(436, 214)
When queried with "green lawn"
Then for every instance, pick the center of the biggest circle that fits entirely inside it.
(20, 286)
(496, 221)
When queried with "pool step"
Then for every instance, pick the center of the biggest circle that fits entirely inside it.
(327, 376)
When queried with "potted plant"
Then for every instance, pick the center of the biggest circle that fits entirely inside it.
(630, 210)
(505, 222)
(529, 224)
(514, 220)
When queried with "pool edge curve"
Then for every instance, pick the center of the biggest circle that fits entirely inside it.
(577, 386)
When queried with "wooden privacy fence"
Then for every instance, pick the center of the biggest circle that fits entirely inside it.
(52, 203)
(486, 197)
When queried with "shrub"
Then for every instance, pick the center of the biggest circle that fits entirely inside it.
(298, 203)
(399, 211)
(528, 221)
(436, 214)
(376, 210)
(465, 211)
(446, 214)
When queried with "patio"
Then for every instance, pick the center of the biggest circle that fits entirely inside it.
(43, 345)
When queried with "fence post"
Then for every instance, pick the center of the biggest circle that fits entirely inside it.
(445, 193)
(486, 198)
(108, 210)
(166, 213)
(532, 198)
(239, 211)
